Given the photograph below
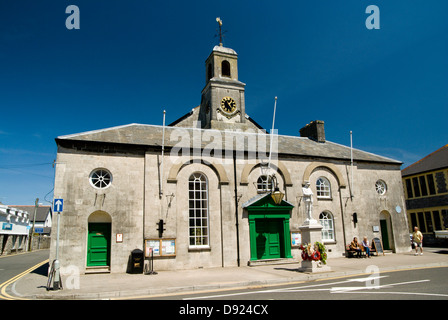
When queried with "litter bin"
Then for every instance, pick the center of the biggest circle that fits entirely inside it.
(136, 261)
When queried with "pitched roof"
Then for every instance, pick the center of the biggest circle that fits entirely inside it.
(436, 160)
(41, 214)
(151, 135)
(257, 199)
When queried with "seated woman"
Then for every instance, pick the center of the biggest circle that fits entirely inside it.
(365, 243)
(354, 245)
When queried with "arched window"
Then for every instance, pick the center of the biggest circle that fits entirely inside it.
(209, 72)
(264, 184)
(326, 220)
(198, 210)
(225, 68)
(323, 188)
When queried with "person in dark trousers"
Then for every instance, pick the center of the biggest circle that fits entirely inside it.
(354, 245)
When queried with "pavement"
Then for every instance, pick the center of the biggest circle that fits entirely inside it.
(165, 283)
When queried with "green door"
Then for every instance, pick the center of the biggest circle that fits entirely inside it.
(269, 233)
(384, 234)
(98, 244)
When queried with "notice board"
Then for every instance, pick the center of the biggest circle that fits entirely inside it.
(296, 239)
(160, 248)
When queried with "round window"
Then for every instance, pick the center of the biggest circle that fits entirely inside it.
(100, 178)
(380, 187)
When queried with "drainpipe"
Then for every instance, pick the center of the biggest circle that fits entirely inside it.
(342, 216)
(236, 210)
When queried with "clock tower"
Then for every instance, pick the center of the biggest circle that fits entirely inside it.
(222, 103)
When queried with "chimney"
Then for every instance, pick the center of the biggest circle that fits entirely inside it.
(314, 131)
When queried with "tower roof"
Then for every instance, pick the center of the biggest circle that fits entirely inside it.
(224, 50)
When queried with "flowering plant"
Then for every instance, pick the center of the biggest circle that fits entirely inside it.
(315, 253)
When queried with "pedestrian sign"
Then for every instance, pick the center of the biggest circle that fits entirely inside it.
(58, 205)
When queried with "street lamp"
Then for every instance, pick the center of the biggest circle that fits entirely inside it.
(276, 195)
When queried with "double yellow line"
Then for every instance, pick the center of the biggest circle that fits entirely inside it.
(4, 285)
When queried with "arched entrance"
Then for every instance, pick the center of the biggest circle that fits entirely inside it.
(386, 230)
(99, 239)
(268, 228)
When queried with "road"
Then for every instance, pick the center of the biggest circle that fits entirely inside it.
(12, 267)
(419, 284)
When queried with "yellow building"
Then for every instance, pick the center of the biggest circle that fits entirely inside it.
(426, 190)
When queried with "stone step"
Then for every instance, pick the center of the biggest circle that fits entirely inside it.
(99, 269)
(265, 262)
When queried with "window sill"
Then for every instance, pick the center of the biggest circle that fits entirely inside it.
(199, 248)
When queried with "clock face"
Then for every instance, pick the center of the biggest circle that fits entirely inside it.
(228, 105)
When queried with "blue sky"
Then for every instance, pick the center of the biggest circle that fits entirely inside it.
(130, 60)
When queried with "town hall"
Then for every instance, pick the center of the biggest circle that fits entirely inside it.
(215, 189)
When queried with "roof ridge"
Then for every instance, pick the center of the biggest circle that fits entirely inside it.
(429, 155)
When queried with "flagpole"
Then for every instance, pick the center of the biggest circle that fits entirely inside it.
(163, 150)
(270, 144)
(272, 134)
(351, 163)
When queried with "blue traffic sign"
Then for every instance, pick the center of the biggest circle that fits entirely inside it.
(58, 205)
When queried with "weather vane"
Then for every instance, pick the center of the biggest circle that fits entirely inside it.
(218, 19)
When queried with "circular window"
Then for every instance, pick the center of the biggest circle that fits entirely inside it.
(380, 187)
(100, 178)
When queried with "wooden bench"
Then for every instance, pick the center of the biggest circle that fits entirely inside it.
(350, 253)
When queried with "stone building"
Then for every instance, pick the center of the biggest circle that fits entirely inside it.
(197, 193)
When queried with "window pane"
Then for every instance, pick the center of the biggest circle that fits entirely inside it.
(409, 188)
(416, 187)
(423, 186)
(431, 185)
(421, 222)
(198, 209)
(428, 219)
(326, 220)
(264, 184)
(437, 221)
(413, 220)
(323, 189)
(445, 218)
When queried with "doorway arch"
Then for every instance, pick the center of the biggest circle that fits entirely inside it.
(99, 239)
(386, 230)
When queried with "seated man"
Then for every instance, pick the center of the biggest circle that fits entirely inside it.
(354, 245)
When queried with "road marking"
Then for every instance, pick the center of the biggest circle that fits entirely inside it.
(204, 291)
(403, 293)
(367, 279)
(314, 288)
(348, 289)
(4, 285)
(271, 290)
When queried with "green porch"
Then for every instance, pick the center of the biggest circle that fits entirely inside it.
(269, 228)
